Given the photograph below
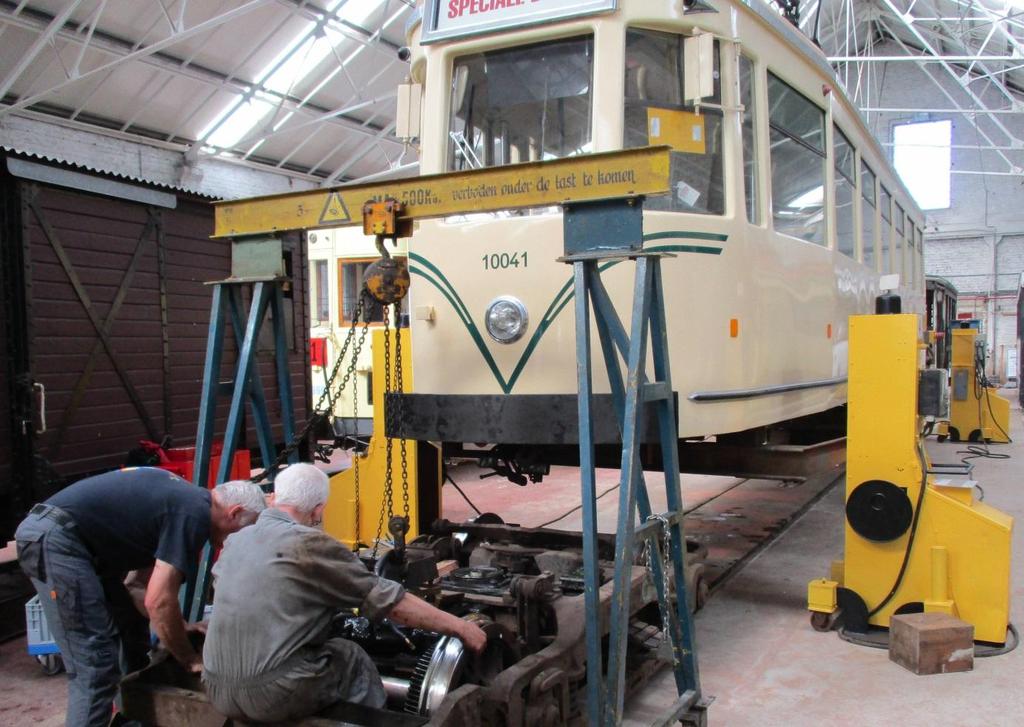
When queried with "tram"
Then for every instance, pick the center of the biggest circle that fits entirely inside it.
(940, 307)
(783, 216)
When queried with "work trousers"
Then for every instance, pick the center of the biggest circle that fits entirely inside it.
(80, 616)
(311, 680)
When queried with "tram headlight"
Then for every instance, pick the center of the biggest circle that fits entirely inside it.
(506, 319)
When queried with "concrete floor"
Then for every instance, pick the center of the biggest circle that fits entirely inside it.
(759, 657)
(764, 665)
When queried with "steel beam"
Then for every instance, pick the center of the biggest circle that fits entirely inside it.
(534, 184)
(922, 59)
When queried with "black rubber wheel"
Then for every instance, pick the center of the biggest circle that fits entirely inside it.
(975, 436)
(822, 621)
(52, 664)
(941, 437)
(700, 592)
(954, 434)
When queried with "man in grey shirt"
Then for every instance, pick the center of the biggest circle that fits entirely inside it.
(268, 656)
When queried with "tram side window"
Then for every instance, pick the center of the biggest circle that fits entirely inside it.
(867, 191)
(846, 187)
(898, 247)
(321, 292)
(750, 168)
(654, 113)
(350, 279)
(797, 132)
(529, 103)
(885, 203)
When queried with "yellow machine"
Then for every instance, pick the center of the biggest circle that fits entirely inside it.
(916, 537)
(354, 517)
(976, 411)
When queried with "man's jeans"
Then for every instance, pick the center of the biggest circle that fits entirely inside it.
(78, 614)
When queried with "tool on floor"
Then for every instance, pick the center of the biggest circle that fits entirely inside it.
(917, 538)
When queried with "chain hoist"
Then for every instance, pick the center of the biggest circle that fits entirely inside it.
(387, 280)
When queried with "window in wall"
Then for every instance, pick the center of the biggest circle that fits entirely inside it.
(867, 215)
(750, 175)
(920, 258)
(797, 132)
(846, 186)
(920, 270)
(321, 294)
(898, 247)
(922, 157)
(654, 113)
(521, 104)
(910, 256)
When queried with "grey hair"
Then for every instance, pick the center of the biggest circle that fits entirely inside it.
(301, 486)
(241, 492)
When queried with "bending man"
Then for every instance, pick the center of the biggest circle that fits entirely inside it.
(267, 656)
(79, 545)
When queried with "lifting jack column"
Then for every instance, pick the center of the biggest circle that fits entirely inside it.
(596, 233)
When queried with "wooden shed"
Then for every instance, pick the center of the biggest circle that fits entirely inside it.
(104, 323)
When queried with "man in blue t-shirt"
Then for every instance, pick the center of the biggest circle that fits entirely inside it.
(80, 545)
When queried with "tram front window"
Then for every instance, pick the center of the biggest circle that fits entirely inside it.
(655, 114)
(522, 104)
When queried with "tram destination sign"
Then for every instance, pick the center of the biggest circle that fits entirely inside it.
(643, 171)
(445, 19)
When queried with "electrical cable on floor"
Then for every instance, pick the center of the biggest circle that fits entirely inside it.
(880, 640)
(569, 512)
(464, 495)
(913, 531)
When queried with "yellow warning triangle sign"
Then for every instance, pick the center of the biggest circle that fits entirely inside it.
(335, 211)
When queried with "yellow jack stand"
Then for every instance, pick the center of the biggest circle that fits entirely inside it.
(976, 412)
(424, 459)
(939, 549)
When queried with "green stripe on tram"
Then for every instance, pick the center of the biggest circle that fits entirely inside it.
(433, 275)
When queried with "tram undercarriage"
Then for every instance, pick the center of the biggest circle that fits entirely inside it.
(523, 586)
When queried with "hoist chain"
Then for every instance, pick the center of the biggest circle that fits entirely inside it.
(387, 505)
(397, 417)
(321, 414)
(664, 554)
(355, 446)
(393, 384)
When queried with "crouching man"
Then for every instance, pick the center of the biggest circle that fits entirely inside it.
(268, 656)
(78, 546)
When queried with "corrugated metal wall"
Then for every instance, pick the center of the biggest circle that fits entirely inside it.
(82, 246)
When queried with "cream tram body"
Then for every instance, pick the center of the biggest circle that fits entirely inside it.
(338, 258)
(776, 224)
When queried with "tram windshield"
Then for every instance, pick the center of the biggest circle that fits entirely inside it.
(528, 103)
(655, 114)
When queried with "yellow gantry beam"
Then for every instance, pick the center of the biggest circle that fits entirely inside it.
(585, 178)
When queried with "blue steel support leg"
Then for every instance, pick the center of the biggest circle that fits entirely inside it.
(208, 397)
(246, 356)
(207, 415)
(684, 659)
(257, 399)
(620, 608)
(284, 383)
(591, 572)
(246, 359)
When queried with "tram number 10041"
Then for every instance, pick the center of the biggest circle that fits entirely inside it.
(504, 260)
